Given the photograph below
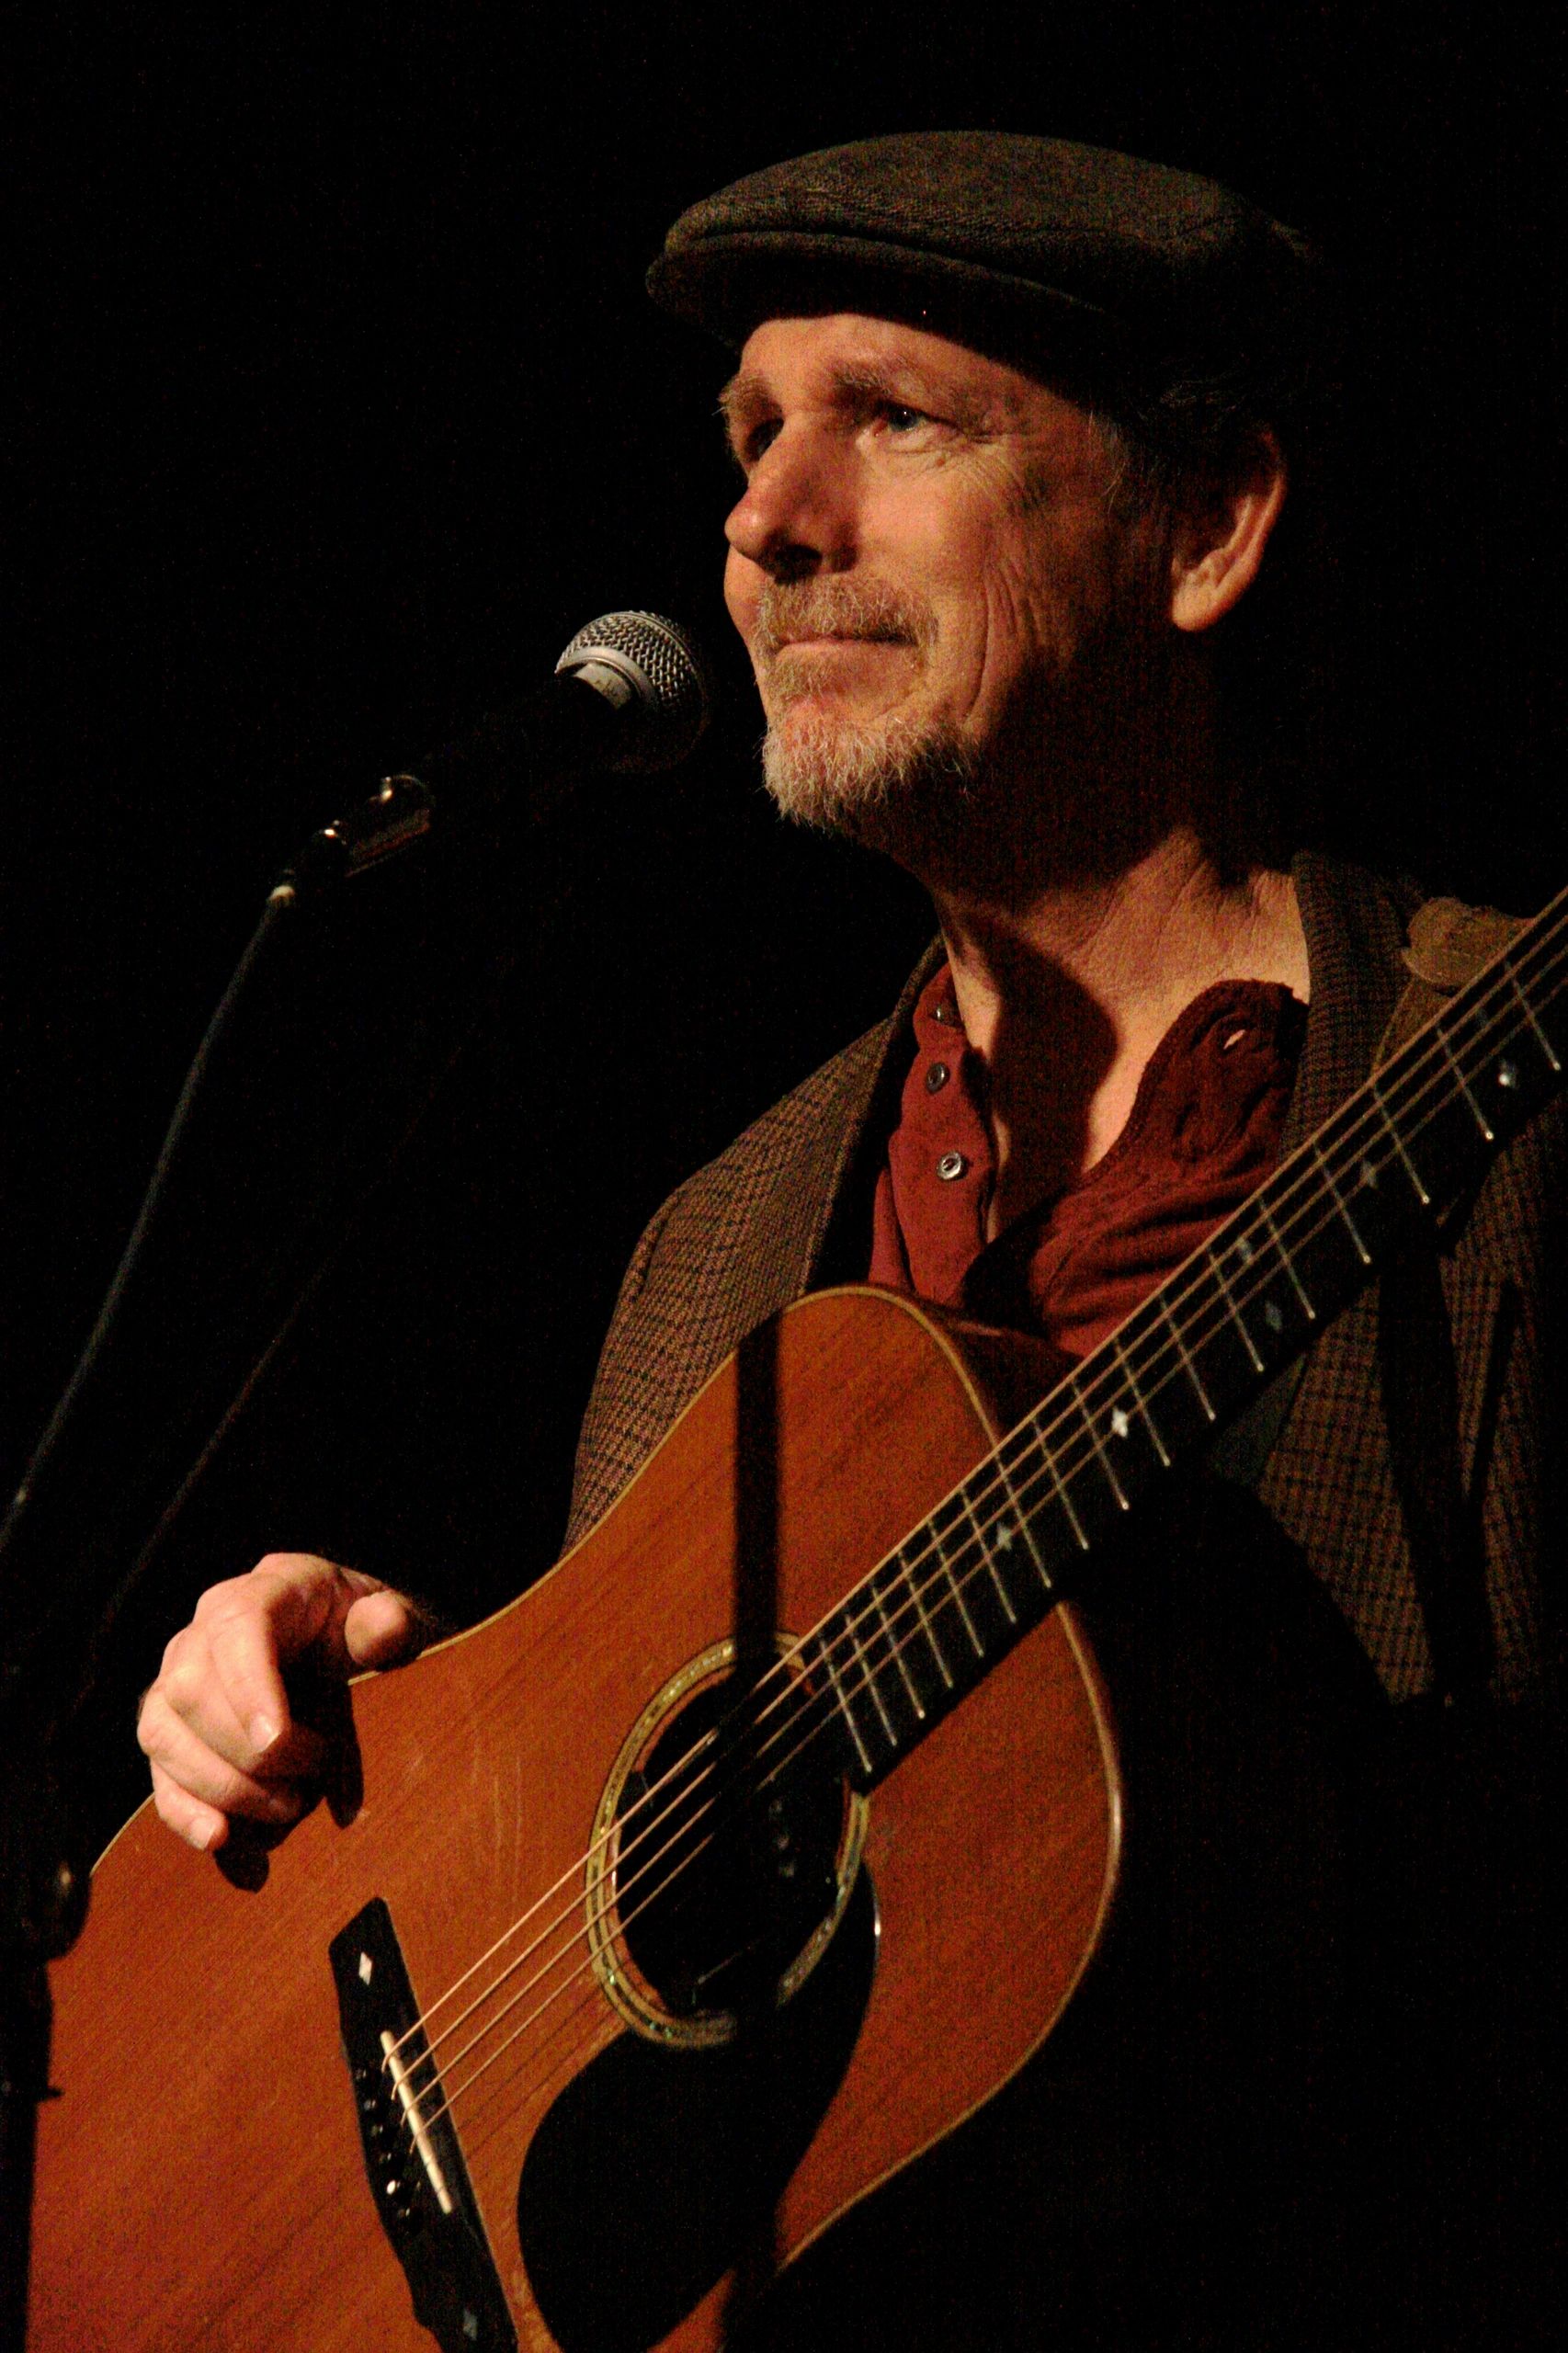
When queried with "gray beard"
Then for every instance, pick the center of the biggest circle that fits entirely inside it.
(899, 785)
(911, 785)
(894, 783)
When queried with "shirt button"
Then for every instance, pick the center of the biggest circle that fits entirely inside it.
(936, 1078)
(950, 1165)
(946, 1013)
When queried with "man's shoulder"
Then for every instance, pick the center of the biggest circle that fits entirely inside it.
(833, 1094)
(745, 1230)
(740, 1239)
(804, 1143)
(1387, 955)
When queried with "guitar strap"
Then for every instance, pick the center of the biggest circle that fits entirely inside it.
(1449, 942)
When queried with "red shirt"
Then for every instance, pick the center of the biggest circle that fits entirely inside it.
(1204, 1129)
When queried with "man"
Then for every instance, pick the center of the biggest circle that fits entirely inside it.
(1015, 425)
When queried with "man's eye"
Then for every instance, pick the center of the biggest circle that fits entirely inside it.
(903, 418)
(757, 440)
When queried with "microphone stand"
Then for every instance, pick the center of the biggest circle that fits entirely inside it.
(48, 1652)
(43, 1890)
(44, 1870)
(628, 693)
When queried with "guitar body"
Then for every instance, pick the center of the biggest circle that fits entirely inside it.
(202, 2186)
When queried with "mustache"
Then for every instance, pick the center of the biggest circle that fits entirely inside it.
(868, 608)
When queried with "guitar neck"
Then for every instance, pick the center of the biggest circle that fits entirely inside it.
(1017, 1536)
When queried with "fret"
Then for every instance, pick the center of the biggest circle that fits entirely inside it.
(1116, 1486)
(1236, 1315)
(912, 1585)
(1024, 1528)
(845, 1710)
(1334, 1193)
(851, 1626)
(1422, 1195)
(1157, 1443)
(1187, 1365)
(1481, 1120)
(869, 1674)
(1542, 1041)
(1308, 1310)
(986, 1555)
(1063, 1499)
(1273, 1314)
(895, 1663)
(896, 1651)
(957, 1592)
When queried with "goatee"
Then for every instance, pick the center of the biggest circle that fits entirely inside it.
(896, 784)
(891, 781)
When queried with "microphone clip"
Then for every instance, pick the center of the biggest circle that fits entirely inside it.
(399, 814)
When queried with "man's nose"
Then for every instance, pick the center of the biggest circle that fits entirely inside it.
(795, 516)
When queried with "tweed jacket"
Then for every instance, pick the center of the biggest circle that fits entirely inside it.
(786, 1209)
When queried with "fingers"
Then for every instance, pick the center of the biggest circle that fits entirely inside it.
(204, 1826)
(217, 1725)
(199, 1794)
(382, 1629)
(222, 1675)
(211, 1756)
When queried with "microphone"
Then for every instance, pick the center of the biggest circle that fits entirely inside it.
(629, 696)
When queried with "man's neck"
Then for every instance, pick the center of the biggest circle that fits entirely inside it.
(1067, 996)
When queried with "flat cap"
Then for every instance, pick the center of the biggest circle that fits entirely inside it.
(1037, 248)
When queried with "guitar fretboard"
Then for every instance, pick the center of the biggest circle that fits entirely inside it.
(1016, 1536)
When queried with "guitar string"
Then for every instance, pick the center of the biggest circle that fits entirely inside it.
(812, 1696)
(457, 2090)
(647, 1862)
(865, 1615)
(973, 1571)
(792, 1686)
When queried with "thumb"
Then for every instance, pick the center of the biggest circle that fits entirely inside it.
(384, 1629)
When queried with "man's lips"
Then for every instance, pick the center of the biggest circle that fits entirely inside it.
(832, 668)
(810, 639)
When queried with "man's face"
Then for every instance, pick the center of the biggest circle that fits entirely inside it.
(921, 564)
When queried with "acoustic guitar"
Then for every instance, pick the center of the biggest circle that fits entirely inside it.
(648, 1927)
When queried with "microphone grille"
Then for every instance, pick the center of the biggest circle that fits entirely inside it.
(665, 673)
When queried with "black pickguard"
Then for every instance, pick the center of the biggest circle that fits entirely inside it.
(657, 2171)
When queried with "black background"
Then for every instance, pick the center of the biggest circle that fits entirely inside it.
(336, 407)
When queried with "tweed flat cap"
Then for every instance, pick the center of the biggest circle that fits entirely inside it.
(1036, 248)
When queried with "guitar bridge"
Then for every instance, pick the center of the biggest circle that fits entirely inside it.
(412, 2159)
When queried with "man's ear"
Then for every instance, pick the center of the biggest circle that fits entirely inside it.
(1216, 549)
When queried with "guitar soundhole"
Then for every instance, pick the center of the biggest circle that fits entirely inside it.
(732, 1856)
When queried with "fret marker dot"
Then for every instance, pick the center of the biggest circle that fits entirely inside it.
(1368, 1175)
(1508, 1075)
(1120, 1424)
(1244, 1251)
(1273, 1318)
(1004, 1538)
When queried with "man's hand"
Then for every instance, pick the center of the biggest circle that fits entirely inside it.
(217, 1724)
